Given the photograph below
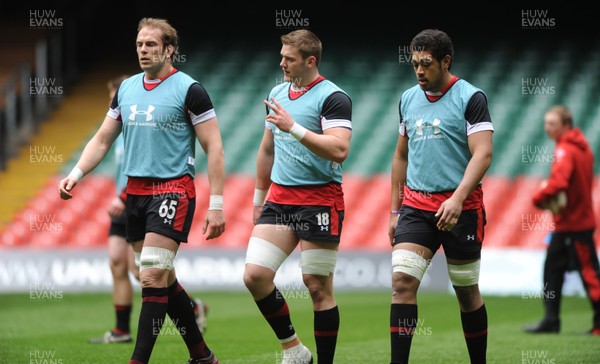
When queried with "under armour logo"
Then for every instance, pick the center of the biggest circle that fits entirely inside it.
(135, 111)
(167, 221)
(324, 228)
(420, 126)
(470, 237)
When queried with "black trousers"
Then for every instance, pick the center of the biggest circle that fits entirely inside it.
(570, 251)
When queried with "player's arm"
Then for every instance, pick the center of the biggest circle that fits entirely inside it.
(116, 208)
(264, 164)
(93, 153)
(206, 127)
(209, 136)
(480, 146)
(334, 143)
(560, 173)
(399, 166)
(479, 139)
(118, 203)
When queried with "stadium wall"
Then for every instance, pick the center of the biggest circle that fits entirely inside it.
(503, 272)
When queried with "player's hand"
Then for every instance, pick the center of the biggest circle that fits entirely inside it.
(116, 207)
(256, 211)
(279, 117)
(448, 214)
(65, 186)
(214, 224)
(392, 226)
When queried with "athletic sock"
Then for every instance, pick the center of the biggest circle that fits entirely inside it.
(326, 325)
(152, 318)
(475, 327)
(403, 320)
(123, 314)
(181, 312)
(275, 310)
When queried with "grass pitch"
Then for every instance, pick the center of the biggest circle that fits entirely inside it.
(55, 328)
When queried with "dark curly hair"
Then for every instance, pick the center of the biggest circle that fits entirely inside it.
(435, 41)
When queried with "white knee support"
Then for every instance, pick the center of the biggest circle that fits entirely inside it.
(464, 275)
(264, 254)
(408, 262)
(153, 257)
(138, 258)
(320, 262)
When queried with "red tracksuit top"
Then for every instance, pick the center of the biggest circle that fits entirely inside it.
(572, 170)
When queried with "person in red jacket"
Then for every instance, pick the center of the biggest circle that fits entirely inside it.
(572, 244)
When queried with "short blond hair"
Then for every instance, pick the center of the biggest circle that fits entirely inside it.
(563, 113)
(307, 43)
(169, 34)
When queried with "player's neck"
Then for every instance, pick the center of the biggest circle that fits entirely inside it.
(162, 73)
(307, 81)
(562, 134)
(446, 83)
(433, 96)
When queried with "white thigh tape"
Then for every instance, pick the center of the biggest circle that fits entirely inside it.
(264, 254)
(320, 262)
(138, 258)
(153, 257)
(464, 275)
(408, 262)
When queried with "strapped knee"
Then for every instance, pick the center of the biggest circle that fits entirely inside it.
(264, 253)
(154, 257)
(409, 262)
(320, 262)
(465, 274)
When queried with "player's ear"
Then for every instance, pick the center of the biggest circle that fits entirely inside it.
(446, 61)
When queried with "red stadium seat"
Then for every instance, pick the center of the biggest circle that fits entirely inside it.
(367, 214)
(83, 221)
(16, 235)
(46, 239)
(90, 234)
